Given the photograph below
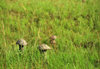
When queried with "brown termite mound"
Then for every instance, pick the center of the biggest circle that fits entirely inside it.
(21, 43)
(83, 1)
(53, 40)
(43, 49)
(53, 37)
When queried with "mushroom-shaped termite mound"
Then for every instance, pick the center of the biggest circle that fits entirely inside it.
(53, 42)
(83, 1)
(44, 47)
(53, 37)
(43, 50)
(21, 43)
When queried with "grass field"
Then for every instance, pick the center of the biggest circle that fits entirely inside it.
(76, 23)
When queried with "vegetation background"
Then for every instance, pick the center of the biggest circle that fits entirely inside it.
(76, 23)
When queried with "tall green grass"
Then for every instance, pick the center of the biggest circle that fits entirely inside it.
(76, 25)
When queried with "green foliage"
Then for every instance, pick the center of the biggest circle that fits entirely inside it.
(75, 23)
